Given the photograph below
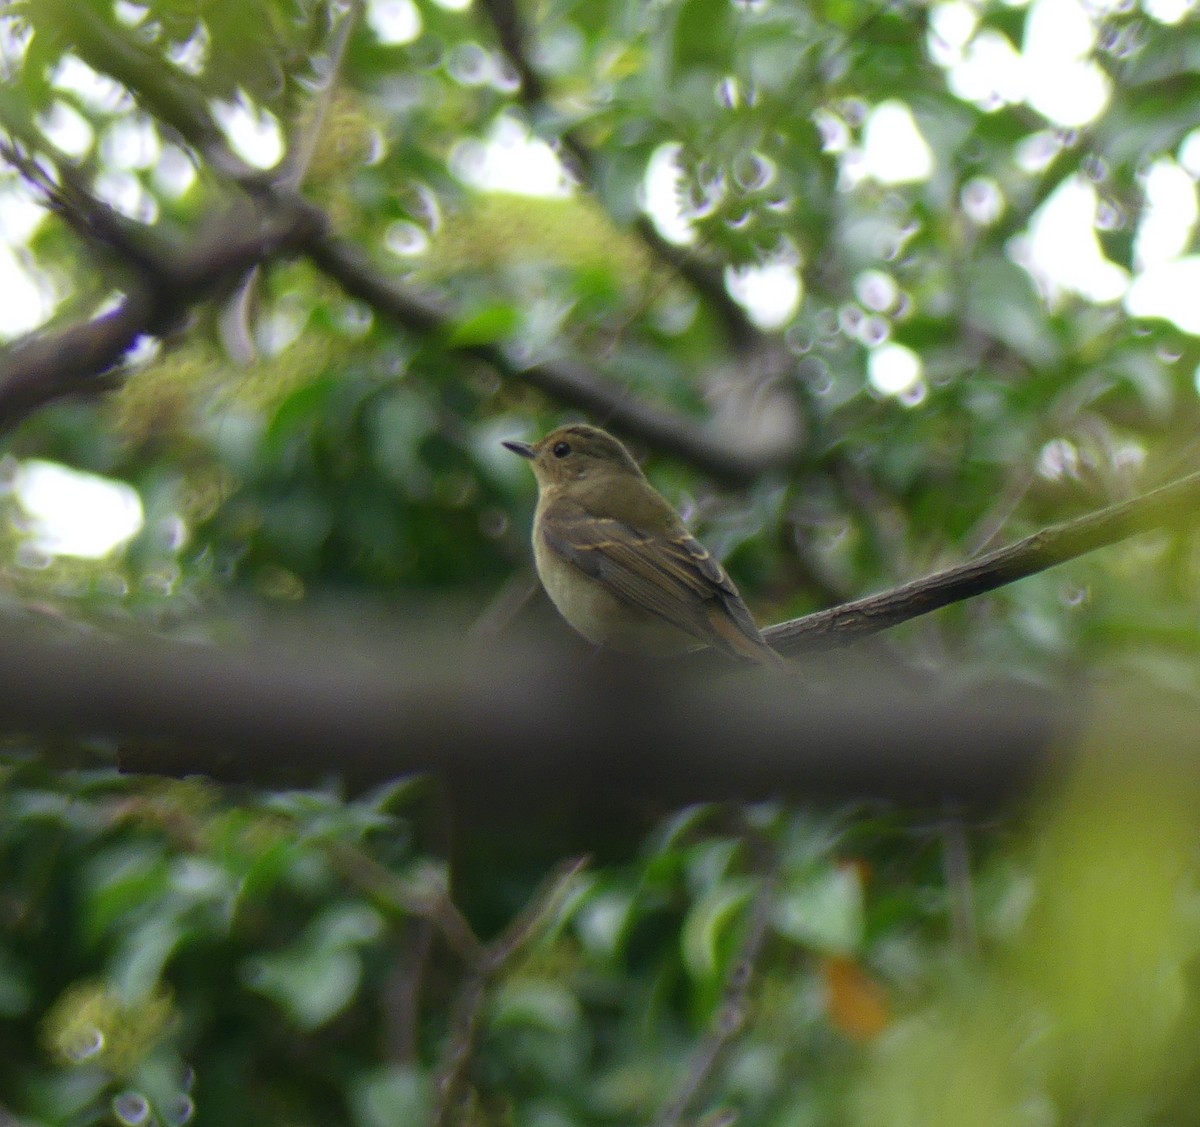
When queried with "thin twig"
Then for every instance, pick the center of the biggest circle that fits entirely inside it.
(731, 1014)
(411, 899)
(451, 1082)
(538, 914)
(986, 530)
(236, 329)
(956, 867)
(296, 164)
(402, 995)
(1066, 408)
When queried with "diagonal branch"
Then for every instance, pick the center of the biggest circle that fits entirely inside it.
(173, 100)
(451, 1083)
(304, 146)
(90, 218)
(703, 277)
(408, 899)
(47, 366)
(1171, 504)
(567, 382)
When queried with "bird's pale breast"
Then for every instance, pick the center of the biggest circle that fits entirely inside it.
(601, 617)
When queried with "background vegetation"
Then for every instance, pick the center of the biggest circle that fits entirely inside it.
(305, 368)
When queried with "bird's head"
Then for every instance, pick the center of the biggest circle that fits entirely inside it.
(574, 453)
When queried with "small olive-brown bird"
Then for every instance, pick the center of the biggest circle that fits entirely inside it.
(617, 561)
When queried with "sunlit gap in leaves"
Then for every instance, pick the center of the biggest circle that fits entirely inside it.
(30, 296)
(510, 159)
(396, 22)
(1056, 74)
(770, 292)
(252, 132)
(69, 513)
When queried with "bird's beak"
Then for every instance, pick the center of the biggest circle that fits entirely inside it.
(522, 448)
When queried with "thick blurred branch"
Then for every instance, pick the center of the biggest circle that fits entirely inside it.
(509, 729)
(511, 725)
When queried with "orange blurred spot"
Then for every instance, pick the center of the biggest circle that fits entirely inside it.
(860, 866)
(857, 1003)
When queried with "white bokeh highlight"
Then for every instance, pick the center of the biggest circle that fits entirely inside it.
(510, 159)
(1062, 251)
(76, 514)
(894, 152)
(394, 22)
(893, 369)
(1062, 82)
(770, 294)
(662, 188)
(1169, 218)
(252, 132)
(1168, 290)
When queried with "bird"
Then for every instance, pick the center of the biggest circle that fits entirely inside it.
(617, 560)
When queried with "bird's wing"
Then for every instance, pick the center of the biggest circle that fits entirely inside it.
(671, 576)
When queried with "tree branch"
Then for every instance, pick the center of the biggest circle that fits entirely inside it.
(431, 904)
(704, 278)
(565, 381)
(1170, 504)
(512, 728)
(46, 366)
(731, 1014)
(90, 218)
(509, 726)
(497, 957)
(171, 98)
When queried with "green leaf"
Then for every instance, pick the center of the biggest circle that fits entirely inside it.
(489, 325)
(703, 33)
(389, 1095)
(537, 1002)
(1001, 301)
(823, 910)
(312, 985)
(709, 926)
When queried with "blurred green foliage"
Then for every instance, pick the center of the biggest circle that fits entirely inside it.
(172, 951)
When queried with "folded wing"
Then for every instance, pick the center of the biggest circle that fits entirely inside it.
(673, 577)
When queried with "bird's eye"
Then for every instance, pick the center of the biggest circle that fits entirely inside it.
(561, 449)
